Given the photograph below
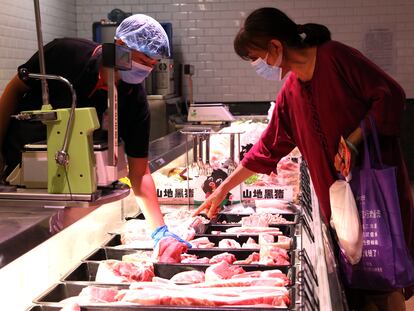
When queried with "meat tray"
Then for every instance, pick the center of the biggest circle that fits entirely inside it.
(115, 240)
(113, 253)
(60, 291)
(235, 218)
(287, 230)
(46, 307)
(241, 239)
(86, 271)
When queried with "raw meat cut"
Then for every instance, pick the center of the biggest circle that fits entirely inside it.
(202, 242)
(190, 258)
(253, 230)
(246, 281)
(169, 250)
(166, 294)
(115, 271)
(229, 243)
(230, 258)
(253, 258)
(250, 243)
(271, 255)
(221, 271)
(71, 307)
(192, 276)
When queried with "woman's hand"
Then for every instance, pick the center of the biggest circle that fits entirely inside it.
(345, 157)
(212, 204)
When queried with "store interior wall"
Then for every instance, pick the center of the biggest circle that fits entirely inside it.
(18, 39)
(204, 31)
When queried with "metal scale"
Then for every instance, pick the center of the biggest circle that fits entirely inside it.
(74, 169)
(204, 113)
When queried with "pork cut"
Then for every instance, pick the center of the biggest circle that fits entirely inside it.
(193, 276)
(115, 271)
(221, 271)
(169, 250)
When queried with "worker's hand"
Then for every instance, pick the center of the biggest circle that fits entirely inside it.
(345, 158)
(162, 232)
(212, 204)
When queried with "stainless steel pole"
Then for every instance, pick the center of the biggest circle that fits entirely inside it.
(45, 90)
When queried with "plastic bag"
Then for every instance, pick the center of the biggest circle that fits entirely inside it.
(386, 263)
(345, 220)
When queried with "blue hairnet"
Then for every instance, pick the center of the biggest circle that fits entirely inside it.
(143, 33)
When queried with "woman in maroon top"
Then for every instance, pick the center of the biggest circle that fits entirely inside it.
(329, 89)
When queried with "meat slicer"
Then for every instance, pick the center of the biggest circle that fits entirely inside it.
(67, 167)
(69, 163)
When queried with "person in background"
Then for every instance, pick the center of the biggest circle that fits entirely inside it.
(79, 61)
(329, 89)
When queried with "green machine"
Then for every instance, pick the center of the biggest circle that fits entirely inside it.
(71, 158)
(70, 165)
(71, 162)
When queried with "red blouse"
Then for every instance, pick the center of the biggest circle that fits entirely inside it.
(345, 88)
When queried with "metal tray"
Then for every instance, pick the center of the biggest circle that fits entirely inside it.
(115, 240)
(46, 307)
(216, 238)
(114, 253)
(49, 301)
(86, 271)
(287, 230)
(237, 217)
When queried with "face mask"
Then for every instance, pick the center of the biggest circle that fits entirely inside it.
(269, 72)
(136, 75)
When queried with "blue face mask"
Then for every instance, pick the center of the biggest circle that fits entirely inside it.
(136, 75)
(269, 72)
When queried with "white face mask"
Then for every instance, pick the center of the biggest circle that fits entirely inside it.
(136, 75)
(269, 72)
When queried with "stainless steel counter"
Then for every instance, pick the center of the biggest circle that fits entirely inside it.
(24, 226)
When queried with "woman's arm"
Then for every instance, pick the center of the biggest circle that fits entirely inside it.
(212, 204)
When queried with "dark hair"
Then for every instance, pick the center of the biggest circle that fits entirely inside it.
(265, 24)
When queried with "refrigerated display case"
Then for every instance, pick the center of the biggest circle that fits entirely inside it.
(68, 261)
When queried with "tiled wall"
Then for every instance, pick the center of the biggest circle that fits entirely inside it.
(18, 39)
(204, 32)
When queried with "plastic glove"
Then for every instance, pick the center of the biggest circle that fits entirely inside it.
(162, 232)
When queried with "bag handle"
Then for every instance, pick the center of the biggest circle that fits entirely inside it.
(374, 134)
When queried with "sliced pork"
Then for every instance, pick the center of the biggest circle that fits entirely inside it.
(222, 271)
(115, 271)
(192, 277)
(169, 250)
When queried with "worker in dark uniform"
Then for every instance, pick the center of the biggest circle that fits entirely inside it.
(79, 61)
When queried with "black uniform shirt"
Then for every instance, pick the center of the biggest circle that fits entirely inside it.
(74, 59)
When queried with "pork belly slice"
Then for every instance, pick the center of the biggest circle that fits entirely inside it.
(115, 271)
(229, 258)
(229, 243)
(193, 276)
(213, 297)
(221, 271)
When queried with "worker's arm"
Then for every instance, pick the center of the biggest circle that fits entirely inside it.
(145, 192)
(12, 94)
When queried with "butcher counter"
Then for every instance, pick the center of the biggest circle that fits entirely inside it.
(40, 245)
